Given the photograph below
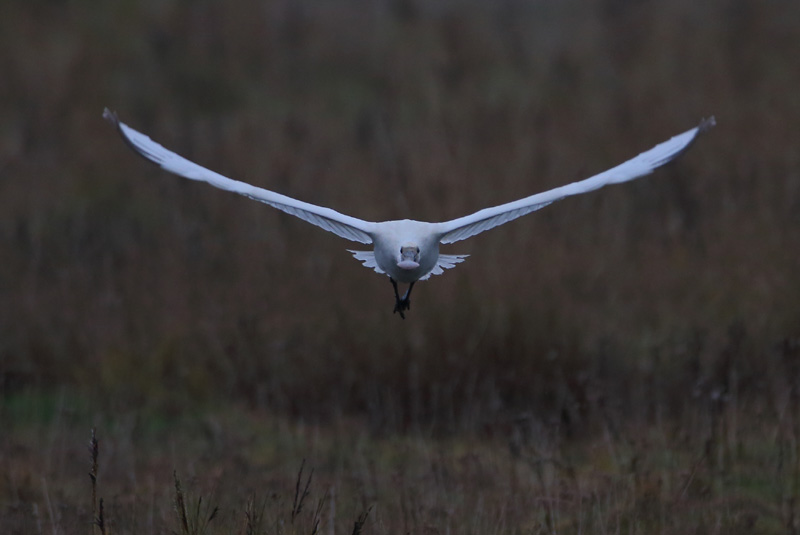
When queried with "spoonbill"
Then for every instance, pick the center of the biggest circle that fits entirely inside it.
(407, 250)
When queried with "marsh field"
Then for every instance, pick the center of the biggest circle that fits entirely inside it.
(626, 361)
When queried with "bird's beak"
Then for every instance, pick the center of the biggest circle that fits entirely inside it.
(408, 264)
(408, 258)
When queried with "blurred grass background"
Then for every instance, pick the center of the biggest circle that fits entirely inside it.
(118, 278)
(128, 287)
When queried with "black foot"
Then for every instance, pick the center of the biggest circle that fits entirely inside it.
(402, 304)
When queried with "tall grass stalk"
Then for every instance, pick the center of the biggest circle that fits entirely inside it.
(194, 520)
(299, 497)
(94, 451)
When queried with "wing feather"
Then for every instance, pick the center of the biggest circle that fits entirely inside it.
(643, 164)
(368, 258)
(342, 225)
(445, 261)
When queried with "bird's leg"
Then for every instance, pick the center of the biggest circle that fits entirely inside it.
(400, 304)
(406, 300)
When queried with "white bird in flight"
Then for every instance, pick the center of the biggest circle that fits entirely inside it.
(408, 250)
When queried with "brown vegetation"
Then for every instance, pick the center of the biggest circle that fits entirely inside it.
(624, 360)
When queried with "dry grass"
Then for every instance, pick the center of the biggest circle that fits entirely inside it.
(619, 362)
(727, 465)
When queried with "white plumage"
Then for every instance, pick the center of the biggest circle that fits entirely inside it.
(407, 250)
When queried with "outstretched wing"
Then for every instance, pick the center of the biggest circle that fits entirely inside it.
(342, 225)
(643, 164)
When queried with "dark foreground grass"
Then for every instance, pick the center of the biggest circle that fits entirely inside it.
(727, 462)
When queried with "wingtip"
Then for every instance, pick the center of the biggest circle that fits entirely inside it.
(707, 124)
(110, 116)
(113, 119)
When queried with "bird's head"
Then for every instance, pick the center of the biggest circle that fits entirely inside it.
(408, 257)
